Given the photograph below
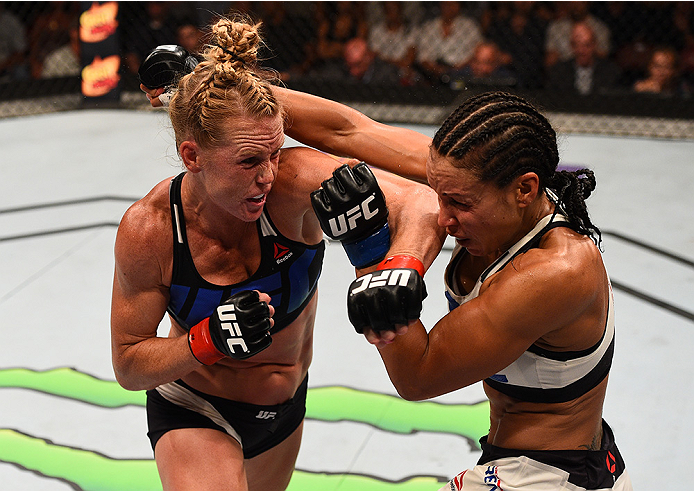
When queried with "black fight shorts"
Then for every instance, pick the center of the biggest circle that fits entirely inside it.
(257, 428)
(562, 470)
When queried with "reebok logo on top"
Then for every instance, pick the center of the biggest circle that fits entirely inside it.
(282, 253)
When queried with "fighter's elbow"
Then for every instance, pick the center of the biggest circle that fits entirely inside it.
(129, 378)
(411, 390)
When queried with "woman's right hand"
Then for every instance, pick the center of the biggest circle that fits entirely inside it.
(153, 95)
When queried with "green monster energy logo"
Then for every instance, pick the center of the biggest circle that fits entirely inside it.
(91, 471)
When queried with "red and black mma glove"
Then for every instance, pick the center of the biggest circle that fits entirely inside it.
(351, 208)
(163, 67)
(238, 328)
(390, 296)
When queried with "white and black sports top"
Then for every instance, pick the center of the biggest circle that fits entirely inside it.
(540, 375)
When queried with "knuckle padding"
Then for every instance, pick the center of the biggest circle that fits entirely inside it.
(363, 173)
(320, 202)
(383, 306)
(347, 179)
(333, 192)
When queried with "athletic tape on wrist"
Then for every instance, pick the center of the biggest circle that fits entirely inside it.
(402, 261)
(165, 97)
(367, 252)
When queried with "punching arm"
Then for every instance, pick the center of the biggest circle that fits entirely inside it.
(341, 130)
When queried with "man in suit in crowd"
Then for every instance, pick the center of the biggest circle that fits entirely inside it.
(585, 73)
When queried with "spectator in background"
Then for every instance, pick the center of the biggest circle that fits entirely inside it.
(622, 20)
(364, 66)
(289, 40)
(65, 60)
(629, 51)
(585, 73)
(394, 41)
(653, 24)
(686, 56)
(338, 22)
(558, 40)
(147, 25)
(485, 68)
(13, 46)
(412, 12)
(49, 30)
(360, 64)
(663, 74)
(447, 42)
(189, 36)
(519, 31)
(495, 13)
(200, 12)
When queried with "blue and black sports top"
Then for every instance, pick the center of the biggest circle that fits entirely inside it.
(288, 272)
(540, 375)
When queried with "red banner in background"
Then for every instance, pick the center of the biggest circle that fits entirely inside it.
(100, 52)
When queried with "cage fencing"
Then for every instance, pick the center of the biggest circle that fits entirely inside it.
(596, 67)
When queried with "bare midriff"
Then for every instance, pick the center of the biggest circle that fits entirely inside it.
(572, 425)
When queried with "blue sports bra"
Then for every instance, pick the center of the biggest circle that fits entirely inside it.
(288, 272)
(540, 375)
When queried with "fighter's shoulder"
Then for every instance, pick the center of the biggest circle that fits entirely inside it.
(147, 219)
(300, 154)
(564, 257)
(304, 168)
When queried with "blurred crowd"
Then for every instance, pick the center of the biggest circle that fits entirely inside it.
(580, 47)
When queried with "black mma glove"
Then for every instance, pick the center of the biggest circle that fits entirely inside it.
(238, 328)
(164, 66)
(352, 209)
(390, 296)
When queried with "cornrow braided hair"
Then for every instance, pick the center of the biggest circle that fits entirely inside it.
(500, 136)
(227, 84)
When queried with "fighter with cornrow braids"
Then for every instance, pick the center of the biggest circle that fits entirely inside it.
(232, 250)
(531, 307)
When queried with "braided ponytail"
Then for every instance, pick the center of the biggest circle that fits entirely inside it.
(572, 189)
(226, 85)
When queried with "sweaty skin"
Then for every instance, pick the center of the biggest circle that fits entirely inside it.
(485, 335)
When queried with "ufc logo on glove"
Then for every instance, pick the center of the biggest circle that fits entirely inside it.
(348, 221)
(390, 277)
(352, 209)
(227, 316)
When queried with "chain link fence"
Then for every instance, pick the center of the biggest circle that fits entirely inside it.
(623, 68)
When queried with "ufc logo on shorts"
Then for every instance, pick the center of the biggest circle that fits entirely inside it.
(389, 277)
(348, 221)
(266, 415)
(227, 317)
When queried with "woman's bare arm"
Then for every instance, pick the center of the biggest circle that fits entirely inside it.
(141, 360)
(338, 129)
